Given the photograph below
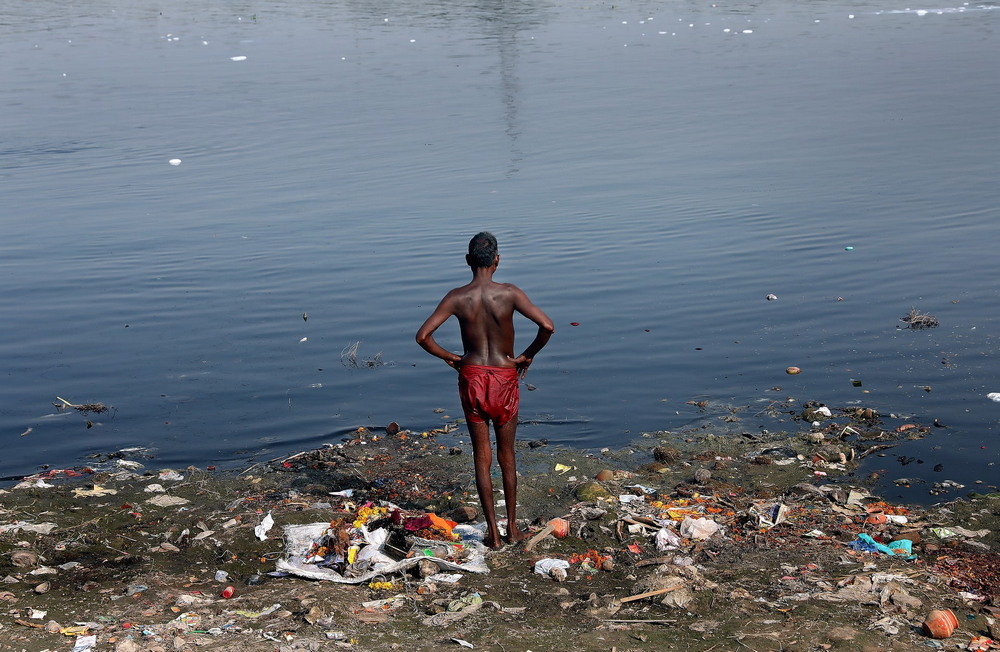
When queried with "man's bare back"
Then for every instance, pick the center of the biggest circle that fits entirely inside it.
(485, 311)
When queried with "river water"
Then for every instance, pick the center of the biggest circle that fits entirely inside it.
(205, 204)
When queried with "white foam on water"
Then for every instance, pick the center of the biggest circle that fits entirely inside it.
(174, 161)
(238, 58)
(940, 11)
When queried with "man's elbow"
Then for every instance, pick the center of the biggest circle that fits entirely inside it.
(547, 327)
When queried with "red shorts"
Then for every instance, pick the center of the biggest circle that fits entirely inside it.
(488, 393)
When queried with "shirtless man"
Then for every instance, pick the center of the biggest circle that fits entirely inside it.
(488, 372)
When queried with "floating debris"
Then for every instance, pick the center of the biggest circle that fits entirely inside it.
(918, 320)
(85, 408)
(349, 358)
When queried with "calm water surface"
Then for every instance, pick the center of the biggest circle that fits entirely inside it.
(652, 171)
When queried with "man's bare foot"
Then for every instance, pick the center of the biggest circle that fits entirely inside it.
(515, 536)
(491, 541)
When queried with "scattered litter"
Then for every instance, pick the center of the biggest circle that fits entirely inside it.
(85, 643)
(254, 615)
(463, 643)
(557, 526)
(445, 578)
(667, 539)
(167, 501)
(699, 528)
(154, 489)
(768, 515)
(169, 474)
(98, 490)
(900, 547)
(24, 526)
(555, 568)
(309, 552)
(266, 524)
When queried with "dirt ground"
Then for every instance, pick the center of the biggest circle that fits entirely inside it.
(130, 556)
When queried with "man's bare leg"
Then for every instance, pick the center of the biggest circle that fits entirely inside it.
(482, 456)
(508, 470)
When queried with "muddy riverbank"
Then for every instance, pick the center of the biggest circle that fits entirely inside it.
(696, 540)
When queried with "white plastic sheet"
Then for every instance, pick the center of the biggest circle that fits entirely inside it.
(299, 538)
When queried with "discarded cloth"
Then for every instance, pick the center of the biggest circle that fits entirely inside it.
(901, 548)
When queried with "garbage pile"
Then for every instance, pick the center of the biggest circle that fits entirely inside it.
(378, 540)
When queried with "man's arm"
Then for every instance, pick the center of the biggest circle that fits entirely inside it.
(523, 305)
(425, 336)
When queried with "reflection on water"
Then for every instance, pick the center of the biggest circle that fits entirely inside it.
(652, 173)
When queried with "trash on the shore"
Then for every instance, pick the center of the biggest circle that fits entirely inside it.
(940, 623)
(982, 644)
(554, 568)
(24, 526)
(85, 643)
(23, 558)
(768, 515)
(266, 524)
(169, 474)
(98, 490)
(667, 539)
(955, 530)
(699, 528)
(348, 552)
(167, 501)
(900, 547)
(557, 526)
(463, 643)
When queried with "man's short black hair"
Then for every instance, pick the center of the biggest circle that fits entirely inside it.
(482, 249)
